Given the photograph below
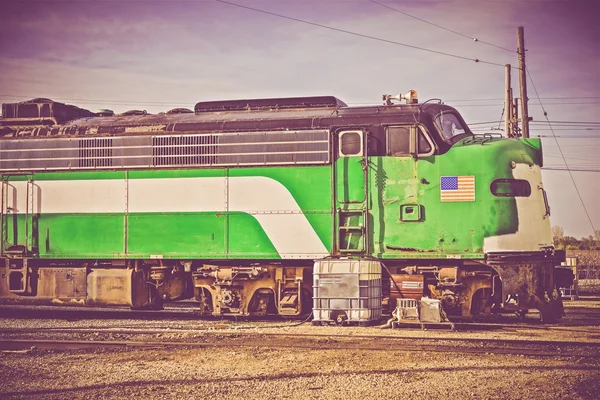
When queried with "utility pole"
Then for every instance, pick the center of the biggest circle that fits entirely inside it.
(515, 114)
(507, 103)
(523, 82)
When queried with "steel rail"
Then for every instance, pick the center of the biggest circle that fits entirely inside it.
(70, 344)
(302, 336)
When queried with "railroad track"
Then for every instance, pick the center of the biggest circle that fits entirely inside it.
(99, 339)
(75, 314)
(234, 332)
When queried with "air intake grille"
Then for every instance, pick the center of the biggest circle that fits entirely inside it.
(95, 153)
(169, 151)
(183, 150)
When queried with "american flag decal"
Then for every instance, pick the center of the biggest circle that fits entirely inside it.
(457, 188)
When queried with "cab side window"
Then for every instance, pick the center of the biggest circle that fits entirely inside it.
(350, 143)
(407, 141)
(424, 147)
(398, 140)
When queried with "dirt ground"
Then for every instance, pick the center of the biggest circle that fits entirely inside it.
(260, 373)
(285, 374)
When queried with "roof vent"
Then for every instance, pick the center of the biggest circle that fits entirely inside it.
(133, 112)
(105, 113)
(180, 111)
(39, 100)
(269, 104)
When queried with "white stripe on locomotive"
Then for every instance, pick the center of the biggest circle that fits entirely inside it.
(264, 198)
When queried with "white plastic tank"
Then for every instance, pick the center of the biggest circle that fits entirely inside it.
(347, 290)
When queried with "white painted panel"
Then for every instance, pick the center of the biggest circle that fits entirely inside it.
(84, 196)
(266, 199)
(177, 194)
(291, 233)
(260, 194)
(534, 230)
(278, 213)
(54, 197)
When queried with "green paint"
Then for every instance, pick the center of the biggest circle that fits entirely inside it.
(310, 187)
(81, 235)
(350, 181)
(445, 229)
(169, 235)
(176, 234)
(247, 239)
(449, 228)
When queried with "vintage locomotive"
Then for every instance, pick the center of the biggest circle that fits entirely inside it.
(234, 202)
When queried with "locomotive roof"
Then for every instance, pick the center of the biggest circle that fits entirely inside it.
(284, 113)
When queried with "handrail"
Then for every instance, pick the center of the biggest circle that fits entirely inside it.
(546, 205)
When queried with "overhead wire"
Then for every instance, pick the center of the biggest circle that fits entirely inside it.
(545, 98)
(537, 94)
(483, 123)
(501, 116)
(561, 152)
(476, 60)
(568, 122)
(572, 169)
(442, 27)
(569, 136)
(134, 103)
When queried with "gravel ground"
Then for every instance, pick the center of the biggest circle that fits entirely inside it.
(280, 374)
(259, 373)
(582, 323)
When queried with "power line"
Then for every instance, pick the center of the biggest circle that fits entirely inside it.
(565, 128)
(538, 129)
(591, 159)
(501, 115)
(442, 27)
(569, 136)
(561, 153)
(571, 145)
(536, 104)
(572, 169)
(358, 34)
(545, 98)
(569, 122)
(560, 103)
(179, 103)
(482, 123)
(455, 102)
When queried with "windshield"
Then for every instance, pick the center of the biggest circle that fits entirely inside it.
(449, 125)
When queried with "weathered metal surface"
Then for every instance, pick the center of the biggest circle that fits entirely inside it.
(411, 287)
(62, 284)
(530, 284)
(253, 290)
(117, 287)
(269, 104)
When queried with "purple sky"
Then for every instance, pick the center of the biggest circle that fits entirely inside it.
(164, 54)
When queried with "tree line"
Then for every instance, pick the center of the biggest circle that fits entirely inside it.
(571, 243)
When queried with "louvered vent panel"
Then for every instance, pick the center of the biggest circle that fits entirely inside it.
(95, 152)
(168, 151)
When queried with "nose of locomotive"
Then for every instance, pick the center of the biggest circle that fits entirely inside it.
(519, 217)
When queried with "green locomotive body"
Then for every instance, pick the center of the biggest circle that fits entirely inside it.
(233, 204)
